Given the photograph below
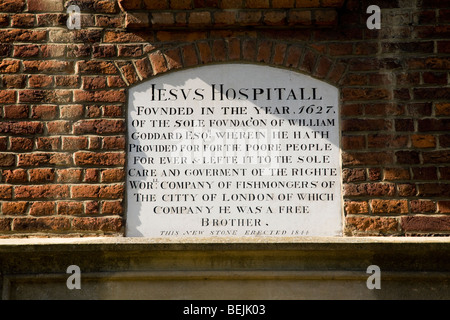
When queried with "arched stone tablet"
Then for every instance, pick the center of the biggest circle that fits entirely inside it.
(233, 151)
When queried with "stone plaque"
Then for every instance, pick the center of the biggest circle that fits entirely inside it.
(233, 151)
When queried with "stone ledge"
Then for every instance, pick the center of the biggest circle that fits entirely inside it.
(140, 268)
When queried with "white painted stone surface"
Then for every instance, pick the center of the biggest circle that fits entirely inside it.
(233, 151)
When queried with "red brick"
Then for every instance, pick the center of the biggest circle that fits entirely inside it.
(407, 157)
(225, 18)
(45, 5)
(422, 206)
(396, 174)
(96, 67)
(99, 96)
(353, 175)
(14, 208)
(353, 142)
(28, 224)
(45, 96)
(189, 55)
(156, 4)
(425, 173)
(40, 81)
(102, 159)
(74, 143)
(389, 206)
(42, 192)
(44, 158)
(442, 109)
(369, 189)
(103, 126)
(111, 192)
(47, 143)
(425, 223)
(112, 208)
(382, 141)
(21, 144)
(372, 225)
(26, 51)
(274, 18)
(44, 112)
(356, 207)
(16, 111)
(199, 19)
(69, 175)
(91, 175)
(423, 141)
(93, 111)
(91, 207)
(436, 157)
(425, 125)
(14, 81)
(105, 224)
(70, 208)
(21, 35)
(367, 158)
(48, 66)
(15, 176)
(433, 189)
(158, 62)
(444, 206)
(12, 5)
(116, 82)
(7, 159)
(112, 175)
(85, 191)
(9, 66)
(181, 5)
(59, 127)
(42, 208)
(112, 111)
(114, 143)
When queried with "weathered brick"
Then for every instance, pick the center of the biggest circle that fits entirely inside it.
(14, 81)
(106, 224)
(70, 208)
(356, 207)
(33, 224)
(41, 175)
(99, 159)
(44, 112)
(104, 126)
(14, 208)
(99, 96)
(42, 192)
(44, 158)
(425, 223)
(16, 112)
(15, 176)
(21, 144)
(423, 206)
(12, 5)
(69, 175)
(372, 225)
(112, 207)
(42, 208)
(389, 206)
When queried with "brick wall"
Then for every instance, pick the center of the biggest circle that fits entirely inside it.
(63, 100)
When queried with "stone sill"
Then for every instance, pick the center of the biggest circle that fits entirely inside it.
(149, 244)
(141, 268)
